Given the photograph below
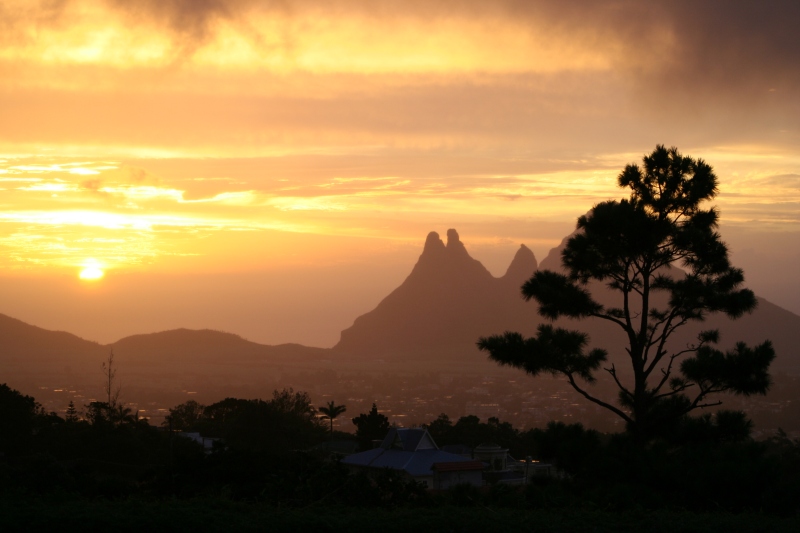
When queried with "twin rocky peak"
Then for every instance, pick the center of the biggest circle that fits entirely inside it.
(445, 304)
(453, 259)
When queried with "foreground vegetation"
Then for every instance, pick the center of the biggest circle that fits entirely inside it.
(112, 468)
(224, 515)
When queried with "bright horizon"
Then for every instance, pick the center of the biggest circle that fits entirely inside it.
(273, 171)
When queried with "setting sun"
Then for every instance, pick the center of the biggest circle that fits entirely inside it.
(91, 270)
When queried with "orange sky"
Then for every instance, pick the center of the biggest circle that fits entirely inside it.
(272, 168)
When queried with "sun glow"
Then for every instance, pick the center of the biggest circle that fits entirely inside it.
(91, 270)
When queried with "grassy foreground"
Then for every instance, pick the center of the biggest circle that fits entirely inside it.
(46, 514)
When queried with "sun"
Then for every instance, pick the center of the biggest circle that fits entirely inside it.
(91, 270)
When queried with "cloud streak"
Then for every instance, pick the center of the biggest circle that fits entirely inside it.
(247, 78)
(716, 39)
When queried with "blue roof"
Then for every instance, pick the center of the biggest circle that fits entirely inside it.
(408, 439)
(416, 464)
(409, 449)
(419, 463)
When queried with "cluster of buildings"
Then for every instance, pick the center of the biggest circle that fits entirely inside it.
(413, 454)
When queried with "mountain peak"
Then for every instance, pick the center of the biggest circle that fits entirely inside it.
(454, 245)
(419, 317)
(452, 238)
(438, 257)
(433, 244)
(522, 266)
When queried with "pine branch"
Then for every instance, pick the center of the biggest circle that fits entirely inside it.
(599, 402)
(613, 372)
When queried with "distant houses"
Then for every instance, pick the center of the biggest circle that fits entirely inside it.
(206, 442)
(413, 452)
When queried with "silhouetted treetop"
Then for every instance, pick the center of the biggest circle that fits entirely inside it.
(371, 426)
(632, 246)
(332, 411)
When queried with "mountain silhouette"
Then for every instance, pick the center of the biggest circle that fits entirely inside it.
(24, 347)
(446, 303)
(204, 346)
(31, 351)
(443, 306)
(450, 300)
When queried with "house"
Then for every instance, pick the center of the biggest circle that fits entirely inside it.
(337, 448)
(206, 442)
(413, 452)
(503, 468)
(447, 475)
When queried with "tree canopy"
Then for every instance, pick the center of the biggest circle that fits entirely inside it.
(18, 414)
(371, 426)
(633, 247)
(286, 422)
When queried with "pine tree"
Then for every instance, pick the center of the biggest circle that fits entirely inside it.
(72, 413)
(633, 246)
(370, 426)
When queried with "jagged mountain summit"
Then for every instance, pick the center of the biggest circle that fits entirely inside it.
(450, 300)
(444, 305)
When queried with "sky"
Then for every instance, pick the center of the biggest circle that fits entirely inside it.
(271, 168)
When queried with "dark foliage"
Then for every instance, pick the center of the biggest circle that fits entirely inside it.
(471, 432)
(185, 417)
(19, 415)
(632, 246)
(331, 411)
(702, 464)
(370, 426)
(286, 422)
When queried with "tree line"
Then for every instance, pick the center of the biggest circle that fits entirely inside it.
(271, 453)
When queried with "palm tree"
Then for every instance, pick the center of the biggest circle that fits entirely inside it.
(331, 411)
(120, 414)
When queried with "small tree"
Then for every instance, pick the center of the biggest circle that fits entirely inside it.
(631, 246)
(331, 411)
(99, 414)
(109, 375)
(185, 417)
(123, 415)
(440, 429)
(370, 426)
(286, 422)
(72, 413)
(111, 412)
